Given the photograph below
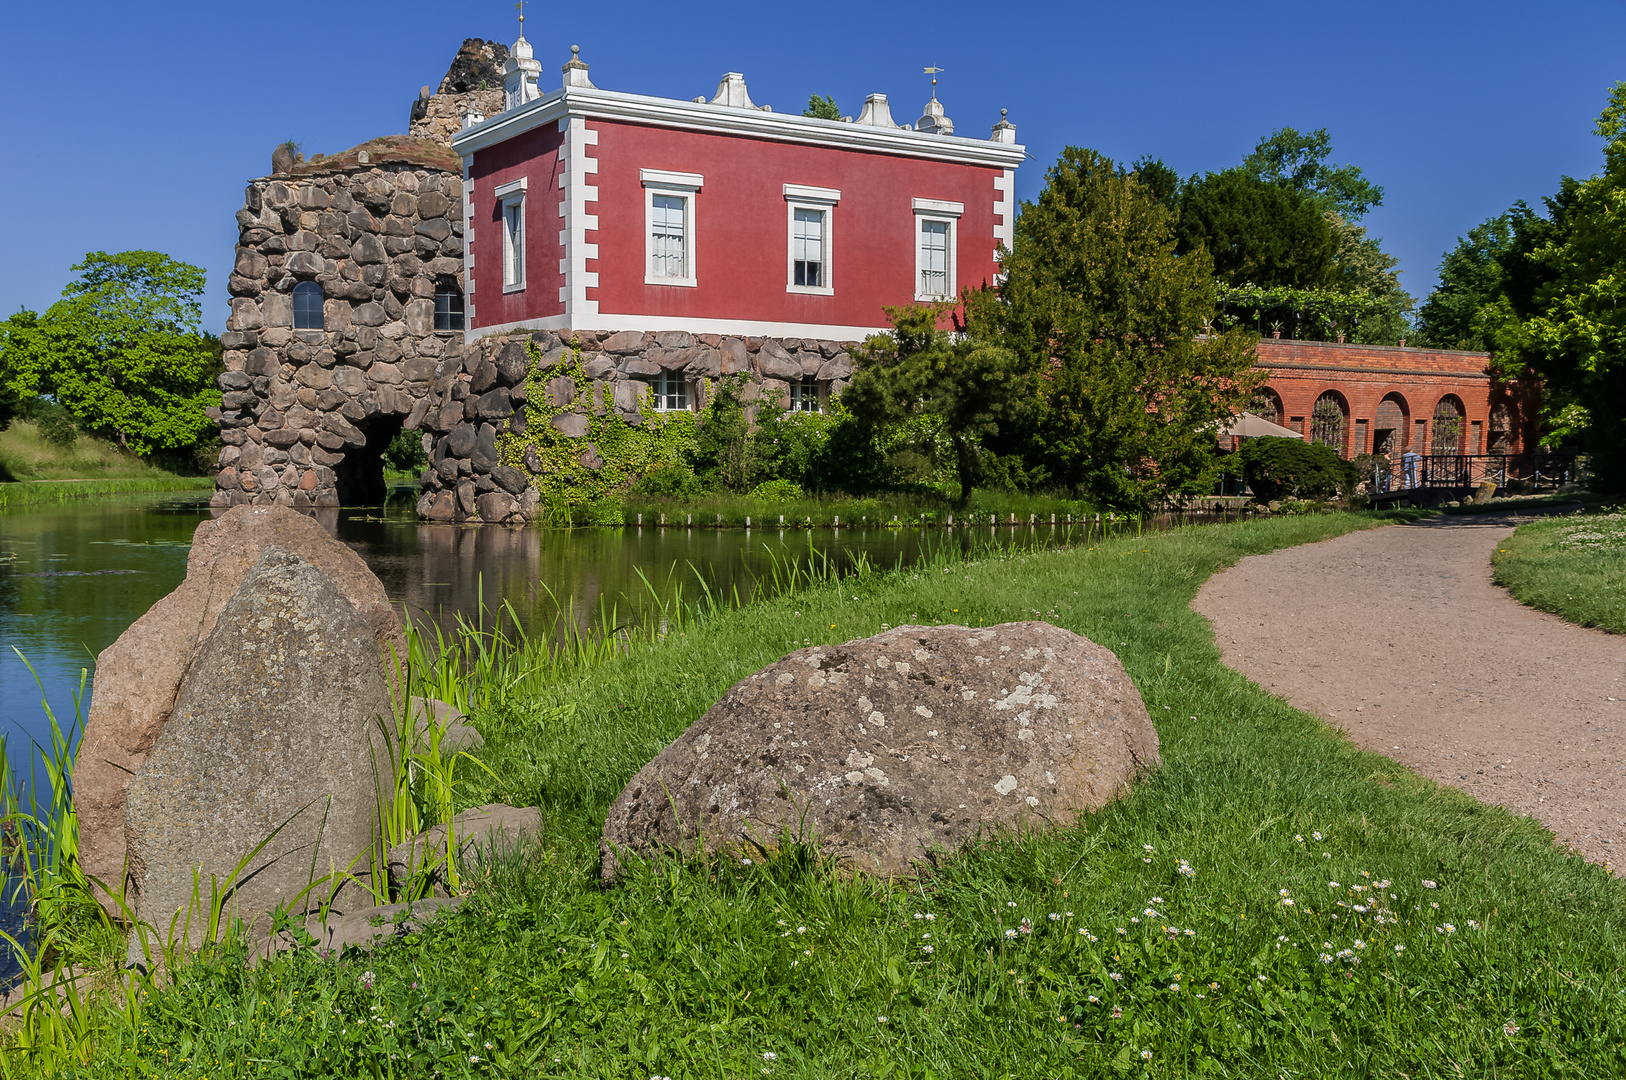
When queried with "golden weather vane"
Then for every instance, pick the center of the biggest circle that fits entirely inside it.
(934, 71)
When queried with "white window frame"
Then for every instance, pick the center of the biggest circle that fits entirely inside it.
(511, 197)
(823, 201)
(805, 396)
(685, 186)
(948, 213)
(667, 385)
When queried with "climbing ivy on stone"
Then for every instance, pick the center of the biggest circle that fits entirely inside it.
(580, 478)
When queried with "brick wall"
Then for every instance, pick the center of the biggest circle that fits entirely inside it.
(1363, 376)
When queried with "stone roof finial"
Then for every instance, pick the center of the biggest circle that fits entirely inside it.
(575, 70)
(1004, 131)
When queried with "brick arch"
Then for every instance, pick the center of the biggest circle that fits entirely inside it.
(1390, 422)
(1267, 403)
(1447, 426)
(1327, 426)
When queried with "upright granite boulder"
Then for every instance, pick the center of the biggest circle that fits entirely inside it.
(139, 675)
(276, 727)
(895, 748)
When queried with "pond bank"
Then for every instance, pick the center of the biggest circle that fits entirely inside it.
(1076, 952)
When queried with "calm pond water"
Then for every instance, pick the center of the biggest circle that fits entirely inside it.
(74, 576)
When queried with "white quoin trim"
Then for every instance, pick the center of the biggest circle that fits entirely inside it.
(575, 249)
(1005, 210)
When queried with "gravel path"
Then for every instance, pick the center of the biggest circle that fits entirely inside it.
(1397, 635)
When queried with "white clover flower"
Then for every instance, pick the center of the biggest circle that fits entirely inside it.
(1510, 1029)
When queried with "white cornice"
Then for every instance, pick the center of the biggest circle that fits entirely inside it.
(595, 104)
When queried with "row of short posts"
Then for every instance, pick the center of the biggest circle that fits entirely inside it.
(896, 523)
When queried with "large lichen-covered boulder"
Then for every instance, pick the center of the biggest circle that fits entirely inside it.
(138, 676)
(895, 748)
(276, 733)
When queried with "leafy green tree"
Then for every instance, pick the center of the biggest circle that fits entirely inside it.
(822, 107)
(1159, 180)
(122, 352)
(722, 446)
(1298, 162)
(1362, 268)
(1470, 276)
(1258, 233)
(11, 402)
(1580, 335)
(1109, 314)
(978, 388)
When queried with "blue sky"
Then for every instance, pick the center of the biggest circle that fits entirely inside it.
(135, 125)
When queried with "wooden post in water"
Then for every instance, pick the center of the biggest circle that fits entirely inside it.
(719, 521)
(663, 520)
(688, 519)
(640, 521)
(747, 521)
(837, 522)
(781, 521)
(951, 521)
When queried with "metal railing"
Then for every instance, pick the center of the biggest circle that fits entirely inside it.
(1543, 470)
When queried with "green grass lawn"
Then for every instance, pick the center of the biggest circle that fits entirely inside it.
(1572, 566)
(34, 470)
(1340, 916)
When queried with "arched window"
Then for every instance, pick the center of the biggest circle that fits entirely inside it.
(1328, 420)
(307, 306)
(1266, 404)
(448, 304)
(1447, 438)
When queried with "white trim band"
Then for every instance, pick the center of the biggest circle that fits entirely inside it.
(938, 207)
